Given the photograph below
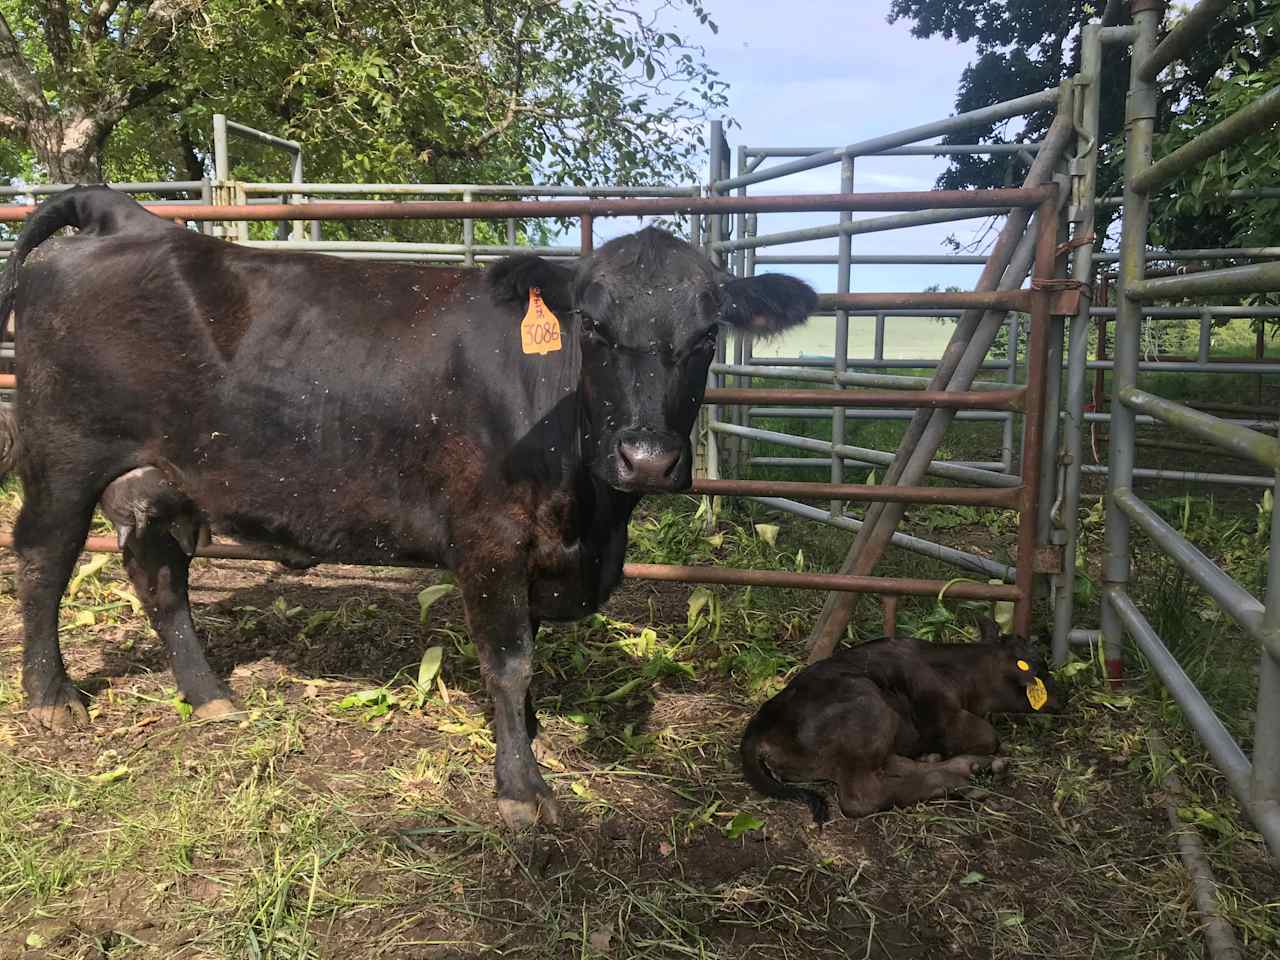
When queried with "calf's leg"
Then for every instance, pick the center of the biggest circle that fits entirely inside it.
(48, 537)
(158, 566)
(498, 619)
(902, 782)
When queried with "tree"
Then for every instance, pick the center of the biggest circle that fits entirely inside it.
(1025, 47)
(401, 90)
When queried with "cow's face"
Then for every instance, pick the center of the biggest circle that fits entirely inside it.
(1017, 678)
(648, 308)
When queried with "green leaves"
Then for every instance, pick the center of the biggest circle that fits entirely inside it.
(429, 596)
(742, 823)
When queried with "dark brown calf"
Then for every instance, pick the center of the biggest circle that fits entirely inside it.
(860, 718)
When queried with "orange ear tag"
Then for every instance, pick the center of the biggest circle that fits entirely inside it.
(540, 329)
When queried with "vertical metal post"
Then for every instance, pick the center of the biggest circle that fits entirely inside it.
(748, 339)
(878, 349)
(1264, 787)
(299, 226)
(511, 232)
(1084, 178)
(710, 411)
(1034, 416)
(841, 355)
(1140, 114)
(1015, 336)
(468, 235)
(738, 414)
(206, 197)
(1011, 377)
(586, 231)
(1049, 453)
(221, 166)
(1206, 335)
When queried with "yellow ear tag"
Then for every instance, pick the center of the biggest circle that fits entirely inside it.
(540, 329)
(1024, 666)
(1037, 695)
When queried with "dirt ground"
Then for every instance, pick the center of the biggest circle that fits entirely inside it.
(306, 829)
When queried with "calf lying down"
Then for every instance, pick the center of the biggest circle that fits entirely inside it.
(864, 717)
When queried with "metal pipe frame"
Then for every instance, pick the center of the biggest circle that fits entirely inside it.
(973, 563)
(1006, 499)
(811, 375)
(916, 399)
(476, 189)
(1239, 441)
(982, 465)
(1233, 598)
(1139, 133)
(1066, 510)
(1006, 268)
(1000, 111)
(1249, 278)
(897, 221)
(622, 207)
(1244, 123)
(1186, 476)
(1188, 31)
(937, 468)
(923, 150)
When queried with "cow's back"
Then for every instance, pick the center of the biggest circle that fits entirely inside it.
(343, 407)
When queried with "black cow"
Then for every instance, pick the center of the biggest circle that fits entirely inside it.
(357, 411)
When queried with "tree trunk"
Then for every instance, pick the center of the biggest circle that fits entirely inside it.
(68, 146)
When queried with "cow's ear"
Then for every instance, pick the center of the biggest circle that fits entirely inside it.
(512, 278)
(767, 304)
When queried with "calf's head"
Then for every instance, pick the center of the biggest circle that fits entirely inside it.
(1012, 676)
(648, 308)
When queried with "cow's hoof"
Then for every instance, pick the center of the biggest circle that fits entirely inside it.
(519, 814)
(61, 709)
(214, 710)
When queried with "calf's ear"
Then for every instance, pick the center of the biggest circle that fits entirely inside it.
(511, 279)
(767, 304)
(989, 630)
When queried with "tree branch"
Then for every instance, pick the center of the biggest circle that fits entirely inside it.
(17, 75)
(102, 13)
(55, 21)
(516, 84)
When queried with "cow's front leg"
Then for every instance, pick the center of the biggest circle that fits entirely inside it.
(498, 618)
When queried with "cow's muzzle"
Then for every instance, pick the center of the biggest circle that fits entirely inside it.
(643, 461)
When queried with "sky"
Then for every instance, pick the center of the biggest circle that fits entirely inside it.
(823, 74)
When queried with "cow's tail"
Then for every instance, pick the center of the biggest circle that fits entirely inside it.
(94, 209)
(763, 780)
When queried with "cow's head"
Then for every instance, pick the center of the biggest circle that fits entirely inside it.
(645, 310)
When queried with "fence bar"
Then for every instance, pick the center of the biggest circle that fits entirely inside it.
(952, 496)
(1066, 510)
(1205, 253)
(924, 150)
(477, 189)
(737, 577)
(1264, 793)
(1244, 123)
(1139, 132)
(889, 259)
(888, 413)
(937, 468)
(1186, 32)
(396, 246)
(1239, 441)
(931, 399)
(622, 207)
(1243, 607)
(813, 375)
(153, 186)
(1187, 476)
(968, 300)
(925, 548)
(1226, 753)
(961, 121)
(896, 221)
(984, 465)
(1249, 278)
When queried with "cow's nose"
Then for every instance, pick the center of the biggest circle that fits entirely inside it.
(645, 463)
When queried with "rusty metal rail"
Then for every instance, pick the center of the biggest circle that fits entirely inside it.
(932, 399)
(623, 207)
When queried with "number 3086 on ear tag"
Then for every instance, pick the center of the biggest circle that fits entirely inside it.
(540, 329)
